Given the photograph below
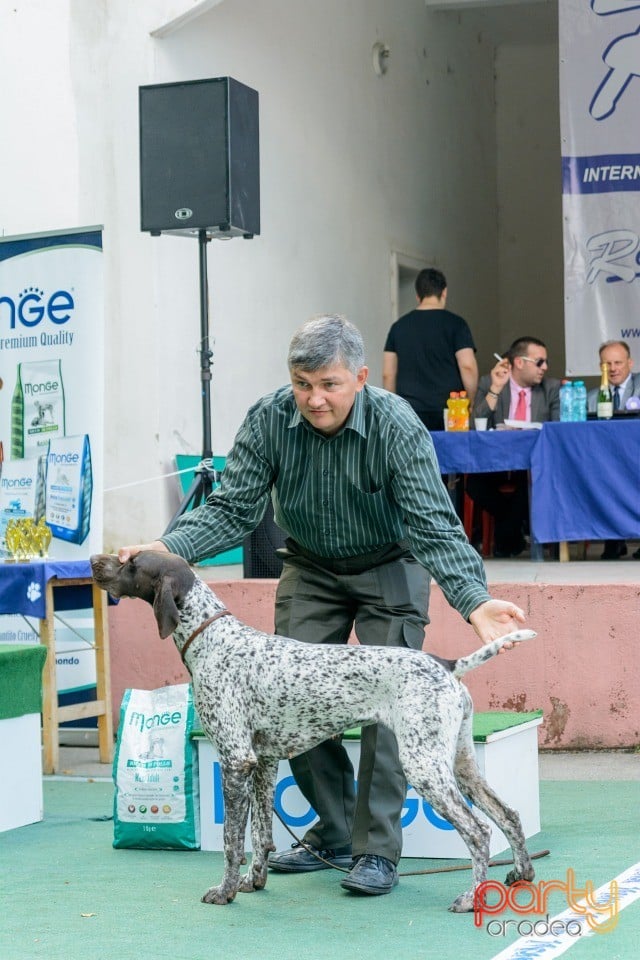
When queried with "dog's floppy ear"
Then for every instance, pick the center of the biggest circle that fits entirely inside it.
(164, 607)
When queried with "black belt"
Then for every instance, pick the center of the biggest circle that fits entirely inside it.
(356, 564)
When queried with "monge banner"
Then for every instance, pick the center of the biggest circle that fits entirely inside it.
(51, 387)
(600, 127)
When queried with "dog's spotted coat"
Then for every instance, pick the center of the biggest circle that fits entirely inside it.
(261, 698)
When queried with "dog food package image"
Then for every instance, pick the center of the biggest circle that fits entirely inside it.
(69, 488)
(156, 803)
(22, 493)
(37, 408)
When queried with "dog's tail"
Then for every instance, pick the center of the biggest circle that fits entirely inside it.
(482, 654)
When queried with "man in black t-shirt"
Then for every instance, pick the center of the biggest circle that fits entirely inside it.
(429, 353)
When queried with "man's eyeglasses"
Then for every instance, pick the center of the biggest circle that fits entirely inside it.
(540, 362)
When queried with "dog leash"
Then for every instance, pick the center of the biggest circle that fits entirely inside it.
(203, 626)
(408, 873)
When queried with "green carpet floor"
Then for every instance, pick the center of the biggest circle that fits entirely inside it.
(66, 894)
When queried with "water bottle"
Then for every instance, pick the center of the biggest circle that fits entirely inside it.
(579, 400)
(566, 401)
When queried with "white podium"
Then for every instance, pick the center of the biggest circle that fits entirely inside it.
(507, 752)
(21, 798)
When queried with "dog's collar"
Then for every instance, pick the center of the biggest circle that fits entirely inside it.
(203, 626)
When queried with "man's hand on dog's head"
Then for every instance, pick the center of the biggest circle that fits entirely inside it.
(125, 553)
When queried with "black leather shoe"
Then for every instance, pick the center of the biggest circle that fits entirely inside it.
(300, 860)
(372, 875)
(613, 549)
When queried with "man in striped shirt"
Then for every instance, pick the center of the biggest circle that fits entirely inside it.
(356, 486)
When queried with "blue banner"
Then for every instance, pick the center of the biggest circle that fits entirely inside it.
(600, 107)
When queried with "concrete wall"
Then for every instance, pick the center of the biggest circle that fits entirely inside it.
(354, 167)
(579, 627)
(529, 184)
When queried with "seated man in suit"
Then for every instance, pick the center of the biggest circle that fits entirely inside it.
(516, 389)
(624, 384)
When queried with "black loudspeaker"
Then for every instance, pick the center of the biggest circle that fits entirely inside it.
(199, 158)
(259, 557)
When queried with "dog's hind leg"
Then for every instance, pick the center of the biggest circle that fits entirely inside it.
(427, 766)
(476, 788)
(264, 782)
(236, 790)
(448, 803)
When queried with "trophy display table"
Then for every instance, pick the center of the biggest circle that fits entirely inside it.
(36, 589)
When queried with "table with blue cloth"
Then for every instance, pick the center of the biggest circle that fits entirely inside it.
(34, 589)
(585, 477)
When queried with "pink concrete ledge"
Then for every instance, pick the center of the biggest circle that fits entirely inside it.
(582, 670)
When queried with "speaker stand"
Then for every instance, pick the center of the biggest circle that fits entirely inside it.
(205, 475)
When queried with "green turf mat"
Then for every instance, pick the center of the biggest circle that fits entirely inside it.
(68, 895)
(21, 679)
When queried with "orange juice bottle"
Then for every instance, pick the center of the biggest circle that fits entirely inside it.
(452, 406)
(463, 411)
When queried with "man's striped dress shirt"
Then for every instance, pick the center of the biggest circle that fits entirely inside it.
(375, 482)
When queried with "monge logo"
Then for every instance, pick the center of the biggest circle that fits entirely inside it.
(66, 458)
(155, 720)
(33, 306)
(35, 388)
(13, 483)
(294, 811)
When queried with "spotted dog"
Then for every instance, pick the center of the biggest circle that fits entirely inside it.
(261, 698)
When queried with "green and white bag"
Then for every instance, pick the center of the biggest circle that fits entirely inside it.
(155, 771)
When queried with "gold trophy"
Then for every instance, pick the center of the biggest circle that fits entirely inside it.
(26, 539)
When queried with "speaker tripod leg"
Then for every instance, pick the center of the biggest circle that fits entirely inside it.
(201, 486)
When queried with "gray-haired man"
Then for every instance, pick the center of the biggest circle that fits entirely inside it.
(624, 385)
(356, 486)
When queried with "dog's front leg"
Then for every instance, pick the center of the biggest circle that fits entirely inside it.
(263, 789)
(236, 787)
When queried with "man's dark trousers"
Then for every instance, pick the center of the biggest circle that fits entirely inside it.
(387, 605)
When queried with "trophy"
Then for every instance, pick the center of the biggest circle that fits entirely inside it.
(26, 539)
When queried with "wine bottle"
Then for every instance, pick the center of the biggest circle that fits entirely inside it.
(605, 397)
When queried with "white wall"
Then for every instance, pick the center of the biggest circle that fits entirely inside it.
(353, 166)
(530, 198)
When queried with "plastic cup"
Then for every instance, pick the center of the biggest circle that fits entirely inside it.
(481, 423)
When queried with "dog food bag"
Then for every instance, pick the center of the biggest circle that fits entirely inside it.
(22, 492)
(69, 488)
(155, 770)
(37, 407)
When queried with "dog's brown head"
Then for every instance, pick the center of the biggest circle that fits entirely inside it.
(162, 579)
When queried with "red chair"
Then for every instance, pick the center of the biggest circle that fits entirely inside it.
(469, 514)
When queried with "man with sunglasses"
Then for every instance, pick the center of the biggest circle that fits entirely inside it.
(516, 389)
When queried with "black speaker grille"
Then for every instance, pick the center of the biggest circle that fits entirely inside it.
(199, 157)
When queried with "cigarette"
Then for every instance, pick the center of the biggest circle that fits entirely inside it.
(498, 357)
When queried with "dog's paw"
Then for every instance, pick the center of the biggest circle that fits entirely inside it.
(253, 881)
(463, 903)
(514, 876)
(219, 895)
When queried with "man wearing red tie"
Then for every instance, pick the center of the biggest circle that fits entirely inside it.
(516, 389)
